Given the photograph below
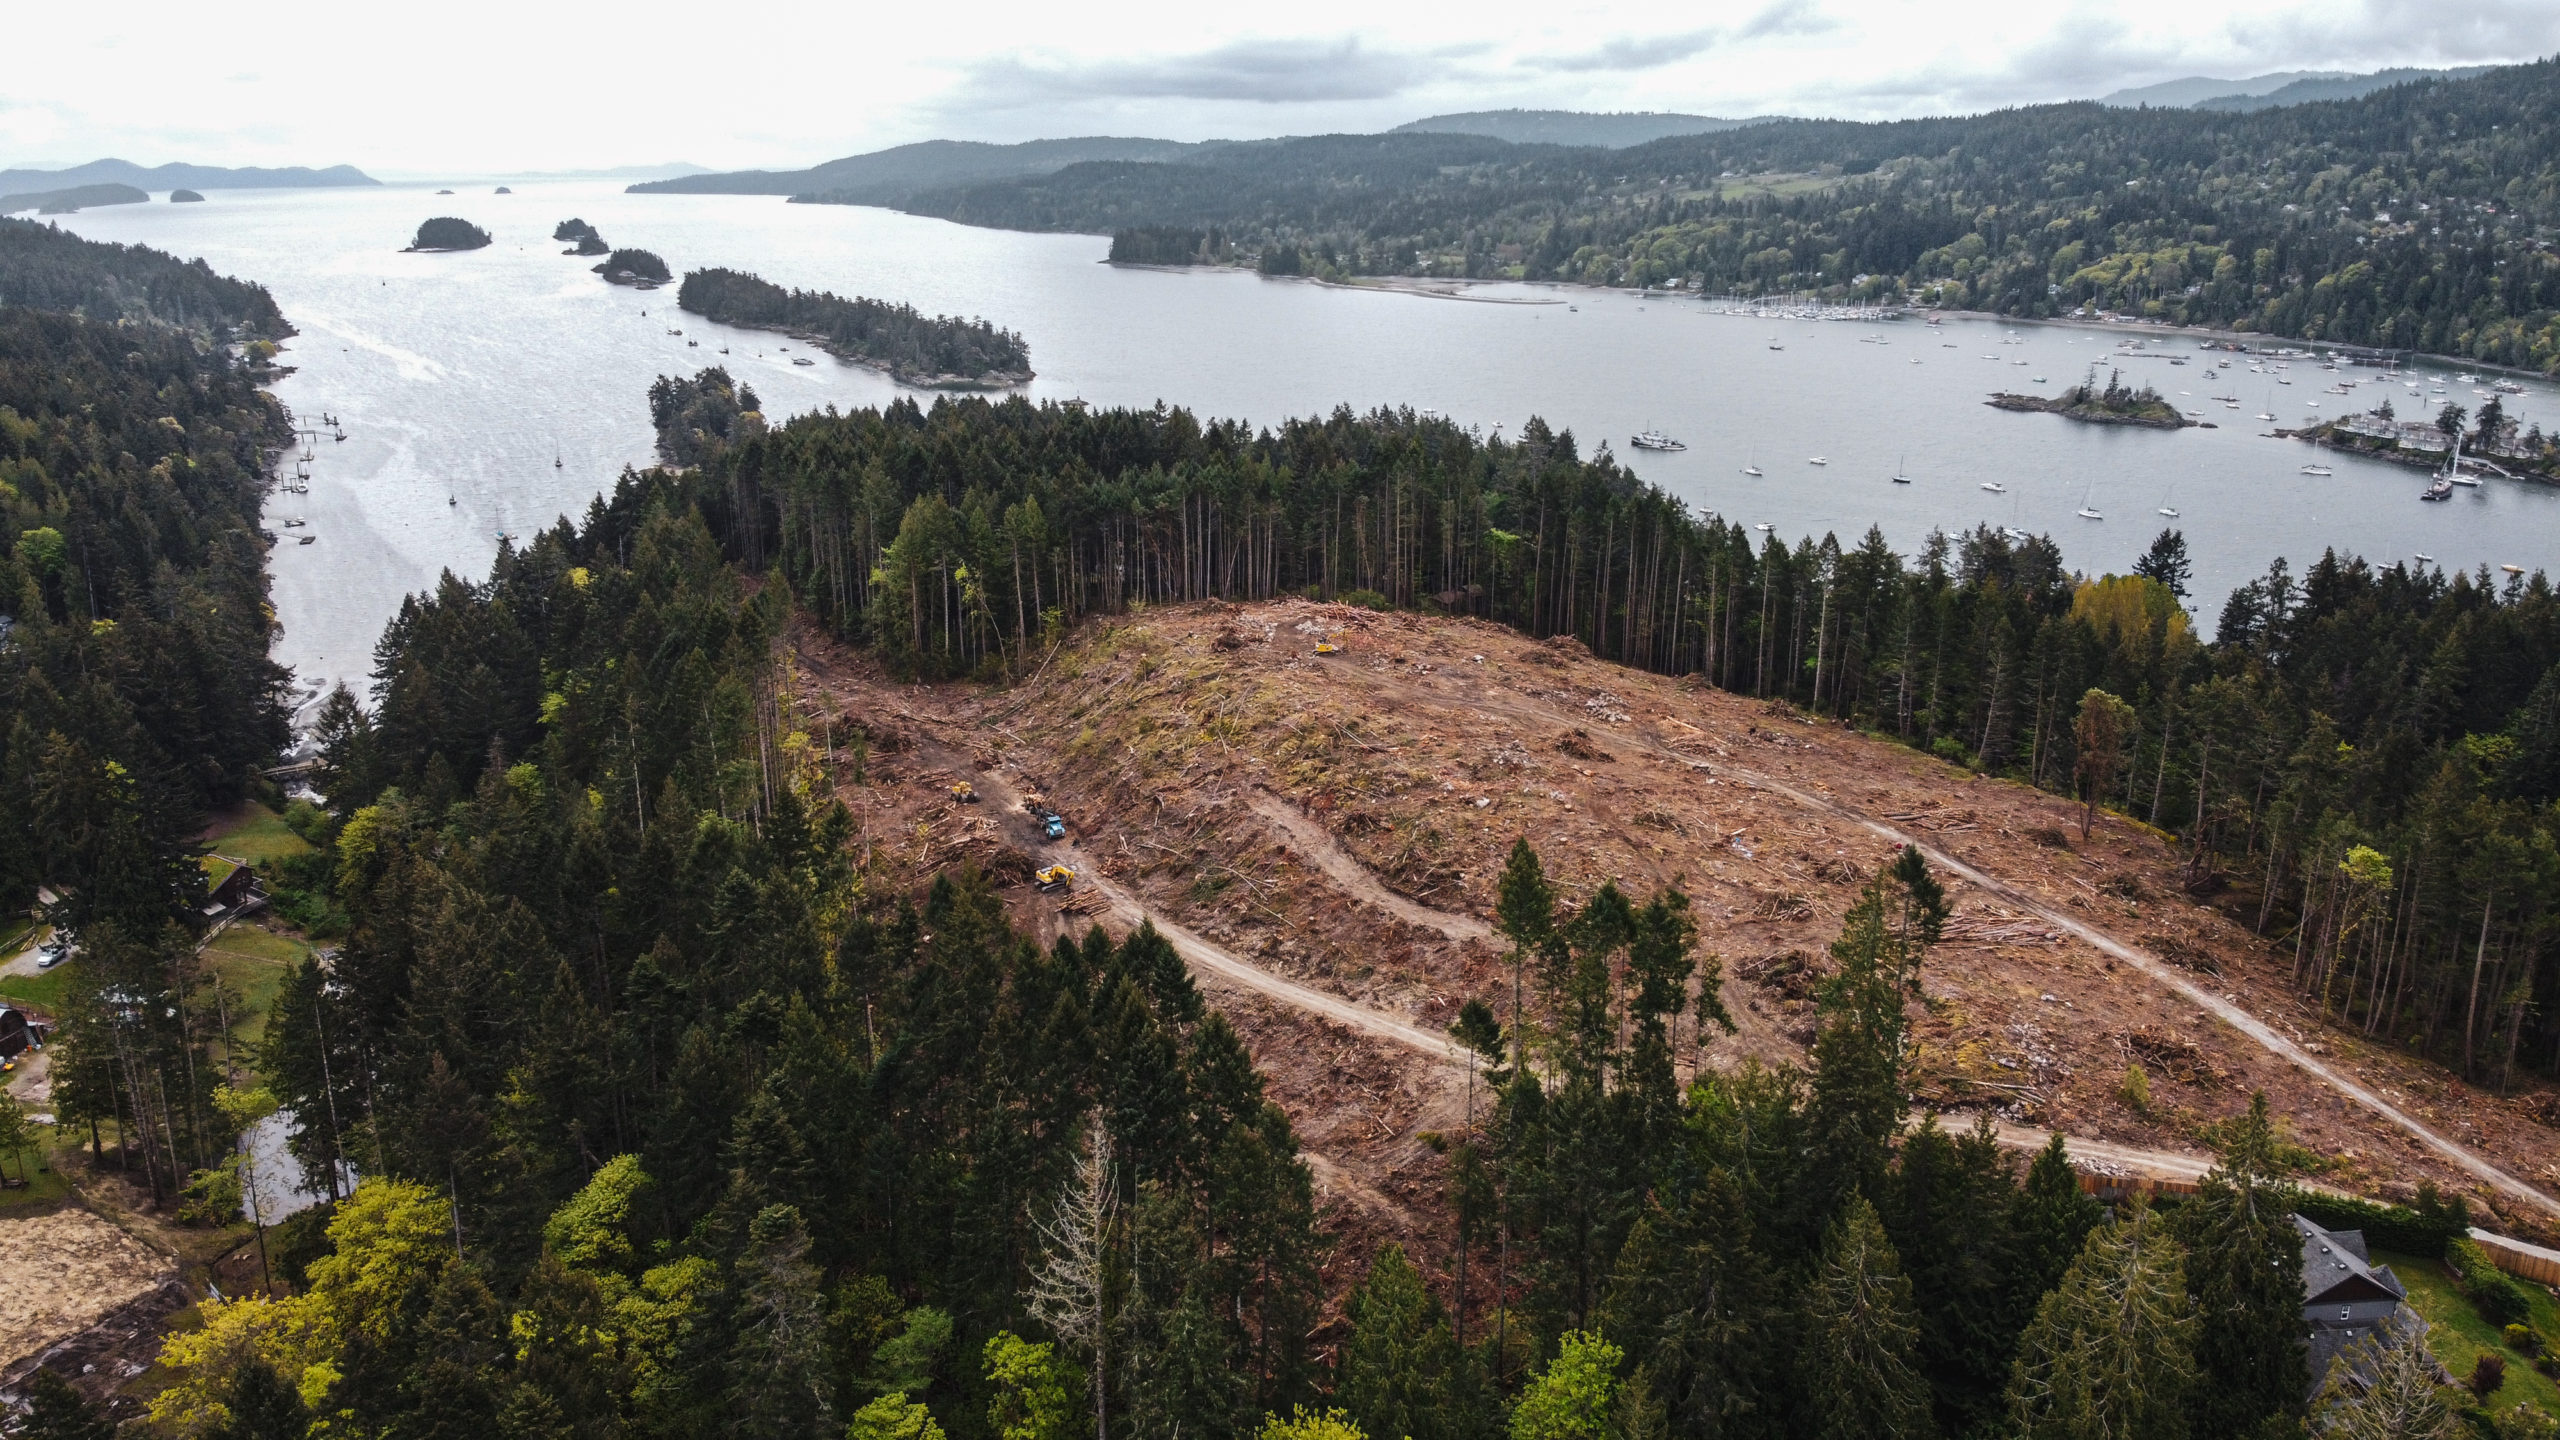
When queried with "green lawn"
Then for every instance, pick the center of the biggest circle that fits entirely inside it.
(257, 835)
(251, 963)
(43, 990)
(44, 1185)
(2459, 1334)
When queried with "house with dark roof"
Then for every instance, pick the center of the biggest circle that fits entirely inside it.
(2346, 1297)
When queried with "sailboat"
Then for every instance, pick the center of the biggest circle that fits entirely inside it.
(2089, 505)
(1750, 466)
(555, 459)
(1900, 475)
(2270, 412)
(1995, 487)
(2165, 507)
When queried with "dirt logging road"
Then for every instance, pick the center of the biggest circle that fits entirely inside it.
(2151, 966)
(1320, 839)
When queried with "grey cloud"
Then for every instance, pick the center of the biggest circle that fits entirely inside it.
(1787, 17)
(1271, 72)
(1648, 52)
(1631, 52)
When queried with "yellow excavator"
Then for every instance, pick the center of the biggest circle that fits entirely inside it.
(1327, 647)
(1055, 878)
(964, 793)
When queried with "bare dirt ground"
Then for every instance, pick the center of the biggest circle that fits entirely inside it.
(1327, 834)
(68, 1270)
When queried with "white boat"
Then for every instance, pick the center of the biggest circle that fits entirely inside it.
(802, 360)
(1995, 487)
(2088, 514)
(2510, 569)
(1751, 470)
(1817, 460)
(1654, 440)
(2089, 505)
(1762, 527)
(2169, 510)
(2320, 470)
(2423, 558)
(1900, 475)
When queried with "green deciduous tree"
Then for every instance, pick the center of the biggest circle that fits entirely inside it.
(1575, 1396)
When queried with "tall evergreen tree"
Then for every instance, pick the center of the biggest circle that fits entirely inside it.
(2110, 1354)
(1401, 1372)
(2244, 1270)
(1861, 1371)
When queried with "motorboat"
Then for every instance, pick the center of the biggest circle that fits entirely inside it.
(2510, 569)
(1654, 440)
(1995, 487)
(307, 539)
(1762, 527)
(802, 360)
(1817, 460)
(2441, 490)
(2423, 558)
(2169, 510)
(2322, 471)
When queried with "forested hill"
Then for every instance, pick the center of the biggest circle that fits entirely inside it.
(45, 267)
(2416, 714)
(2419, 216)
(885, 177)
(136, 689)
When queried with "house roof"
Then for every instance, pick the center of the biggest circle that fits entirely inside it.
(2335, 1270)
(2346, 1297)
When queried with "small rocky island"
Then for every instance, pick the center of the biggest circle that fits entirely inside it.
(185, 197)
(446, 232)
(640, 269)
(939, 352)
(502, 190)
(582, 237)
(2115, 404)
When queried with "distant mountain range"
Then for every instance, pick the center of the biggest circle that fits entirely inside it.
(181, 177)
(1614, 131)
(2281, 87)
(885, 177)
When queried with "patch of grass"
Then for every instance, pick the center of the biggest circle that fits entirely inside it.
(2460, 1334)
(257, 835)
(43, 990)
(252, 964)
(45, 1185)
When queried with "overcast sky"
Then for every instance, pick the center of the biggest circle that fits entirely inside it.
(466, 87)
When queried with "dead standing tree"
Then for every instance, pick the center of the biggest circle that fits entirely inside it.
(1071, 1284)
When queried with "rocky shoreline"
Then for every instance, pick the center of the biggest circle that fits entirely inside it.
(2089, 414)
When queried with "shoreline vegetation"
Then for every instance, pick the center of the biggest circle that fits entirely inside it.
(2407, 219)
(583, 237)
(76, 198)
(937, 352)
(639, 269)
(446, 233)
(2116, 403)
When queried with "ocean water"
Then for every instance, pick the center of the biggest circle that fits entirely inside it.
(490, 392)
